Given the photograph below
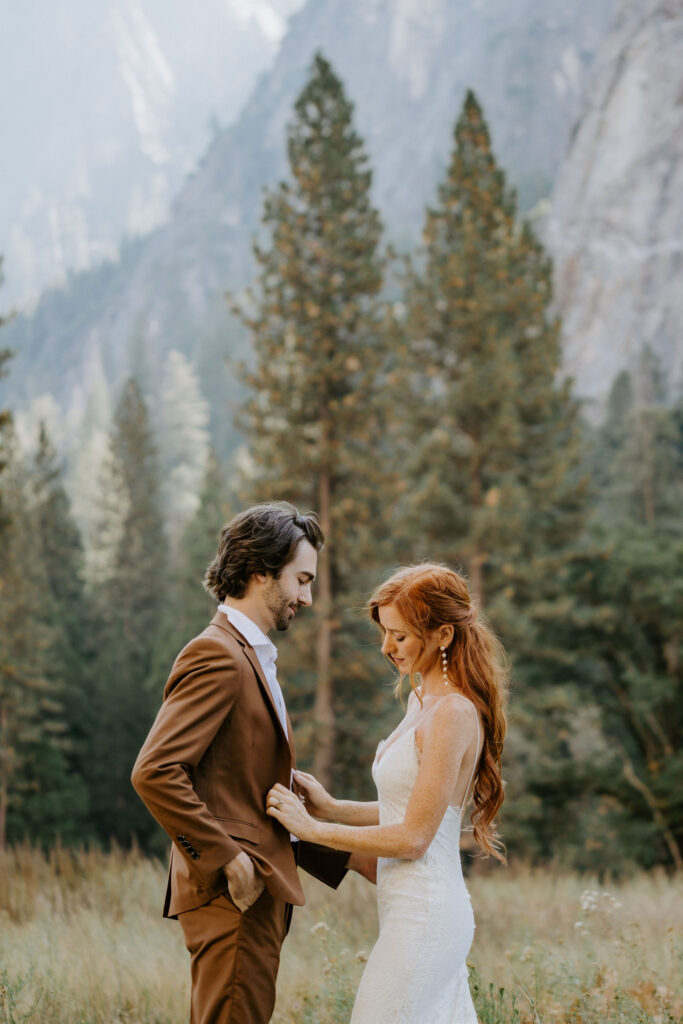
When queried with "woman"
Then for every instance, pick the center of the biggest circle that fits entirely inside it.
(444, 753)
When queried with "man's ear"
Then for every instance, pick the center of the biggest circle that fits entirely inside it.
(261, 577)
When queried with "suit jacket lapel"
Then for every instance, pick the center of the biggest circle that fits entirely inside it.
(220, 619)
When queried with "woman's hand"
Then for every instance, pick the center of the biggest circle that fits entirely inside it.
(318, 801)
(288, 809)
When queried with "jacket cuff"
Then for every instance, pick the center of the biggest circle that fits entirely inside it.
(205, 862)
(327, 865)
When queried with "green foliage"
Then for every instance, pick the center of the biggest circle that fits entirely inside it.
(57, 805)
(128, 602)
(43, 796)
(493, 1005)
(193, 607)
(493, 472)
(628, 623)
(188, 607)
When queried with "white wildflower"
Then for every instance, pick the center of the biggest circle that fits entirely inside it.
(320, 928)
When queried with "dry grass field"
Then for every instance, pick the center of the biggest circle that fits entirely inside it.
(82, 942)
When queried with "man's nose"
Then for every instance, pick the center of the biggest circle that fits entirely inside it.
(305, 597)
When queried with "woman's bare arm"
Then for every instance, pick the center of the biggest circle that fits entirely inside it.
(324, 807)
(446, 737)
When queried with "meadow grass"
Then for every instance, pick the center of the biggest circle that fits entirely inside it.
(82, 942)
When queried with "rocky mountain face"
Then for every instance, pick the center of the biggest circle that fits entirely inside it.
(616, 222)
(106, 108)
(406, 65)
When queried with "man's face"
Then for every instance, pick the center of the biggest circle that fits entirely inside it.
(284, 596)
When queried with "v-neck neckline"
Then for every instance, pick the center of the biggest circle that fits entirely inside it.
(384, 749)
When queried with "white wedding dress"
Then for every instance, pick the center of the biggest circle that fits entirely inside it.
(417, 971)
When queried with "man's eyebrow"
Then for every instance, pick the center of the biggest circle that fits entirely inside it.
(310, 575)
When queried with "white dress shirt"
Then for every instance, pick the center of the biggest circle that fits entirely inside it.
(266, 652)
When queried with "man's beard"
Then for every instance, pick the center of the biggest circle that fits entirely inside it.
(279, 605)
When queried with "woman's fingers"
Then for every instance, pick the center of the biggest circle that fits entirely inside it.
(282, 797)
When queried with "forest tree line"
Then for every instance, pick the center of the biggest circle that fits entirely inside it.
(418, 405)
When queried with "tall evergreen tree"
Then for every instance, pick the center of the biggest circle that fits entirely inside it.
(59, 805)
(637, 460)
(494, 465)
(32, 728)
(316, 424)
(492, 443)
(129, 601)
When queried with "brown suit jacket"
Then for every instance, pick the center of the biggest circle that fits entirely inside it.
(214, 751)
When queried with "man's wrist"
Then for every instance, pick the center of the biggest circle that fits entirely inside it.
(232, 860)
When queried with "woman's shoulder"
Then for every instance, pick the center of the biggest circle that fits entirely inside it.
(455, 711)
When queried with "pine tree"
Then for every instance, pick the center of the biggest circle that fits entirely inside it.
(129, 603)
(316, 424)
(492, 449)
(637, 460)
(494, 471)
(59, 804)
(31, 724)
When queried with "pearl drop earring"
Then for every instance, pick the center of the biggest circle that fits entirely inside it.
(444, 665)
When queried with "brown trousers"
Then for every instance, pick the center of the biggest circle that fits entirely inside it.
(234, 959)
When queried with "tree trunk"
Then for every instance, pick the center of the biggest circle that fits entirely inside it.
(323, 711)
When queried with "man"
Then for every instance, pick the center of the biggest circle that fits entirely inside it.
(221, 740)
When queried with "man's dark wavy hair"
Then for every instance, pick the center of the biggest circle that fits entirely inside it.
(262, 539)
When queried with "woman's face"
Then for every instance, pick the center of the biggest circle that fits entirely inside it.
(399, 644)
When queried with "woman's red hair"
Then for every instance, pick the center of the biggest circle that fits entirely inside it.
(428, 596)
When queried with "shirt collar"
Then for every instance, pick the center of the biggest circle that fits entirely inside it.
(252, 633)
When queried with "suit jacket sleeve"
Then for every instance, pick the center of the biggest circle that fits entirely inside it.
(201, 690)
(327, 865)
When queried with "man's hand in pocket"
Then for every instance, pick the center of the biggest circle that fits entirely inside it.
(244, 884)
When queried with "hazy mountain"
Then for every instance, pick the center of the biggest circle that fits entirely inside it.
(106, 108)
(616, 224)
(406, 64)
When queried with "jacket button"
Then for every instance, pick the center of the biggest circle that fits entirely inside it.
(181, 839)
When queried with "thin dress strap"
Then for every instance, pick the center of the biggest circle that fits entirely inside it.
(477, 755)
